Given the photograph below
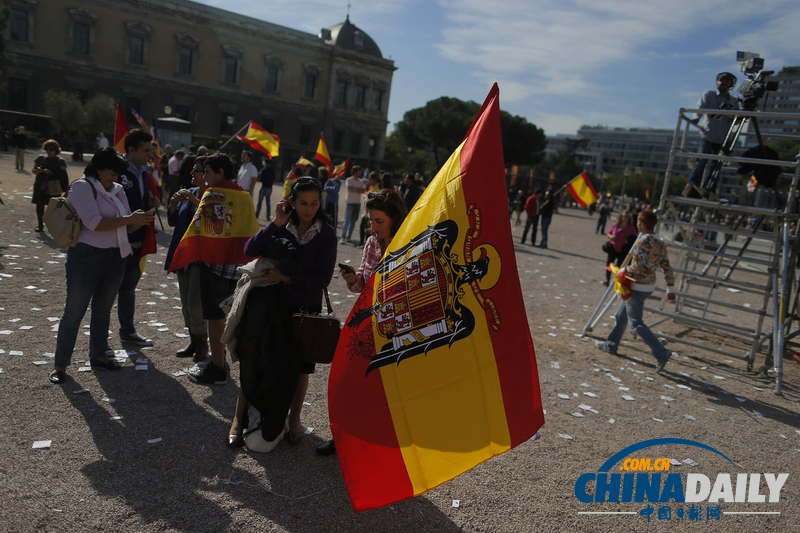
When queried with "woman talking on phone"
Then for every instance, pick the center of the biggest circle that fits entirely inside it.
(386, 211)
(300, 219)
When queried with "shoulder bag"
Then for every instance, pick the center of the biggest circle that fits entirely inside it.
(62, 220)
(316, 335)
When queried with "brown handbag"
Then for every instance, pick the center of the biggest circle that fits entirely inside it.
(62, 220)
(316, 335)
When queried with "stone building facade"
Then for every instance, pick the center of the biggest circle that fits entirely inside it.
(205, 65)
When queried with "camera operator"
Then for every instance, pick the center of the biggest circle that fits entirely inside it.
(713, 129)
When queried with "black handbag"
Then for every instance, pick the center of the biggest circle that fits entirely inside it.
(608, 248)
(316, 335)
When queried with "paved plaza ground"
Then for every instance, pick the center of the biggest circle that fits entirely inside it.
(102, 474)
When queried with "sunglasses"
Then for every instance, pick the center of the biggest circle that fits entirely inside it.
(305, 180)
(376, 196)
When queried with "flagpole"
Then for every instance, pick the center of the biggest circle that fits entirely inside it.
(234, 136)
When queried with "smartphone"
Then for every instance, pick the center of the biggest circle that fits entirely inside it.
(287, 208)
(347, 268)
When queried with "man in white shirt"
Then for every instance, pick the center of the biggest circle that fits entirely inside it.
(248, 174)
(355, 189)
(174, 170)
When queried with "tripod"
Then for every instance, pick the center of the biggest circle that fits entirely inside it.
(711, 180)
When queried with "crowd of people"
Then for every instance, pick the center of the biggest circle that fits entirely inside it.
(116, 199)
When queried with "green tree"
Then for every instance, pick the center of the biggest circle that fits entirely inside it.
(441, 125)
(100, 114)
(787, 148)
(69, 114)
(65, 109)
(5, 15)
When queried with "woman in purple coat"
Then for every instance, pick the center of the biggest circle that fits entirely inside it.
(300, 219)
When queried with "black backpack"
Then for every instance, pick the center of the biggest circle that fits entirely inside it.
(766, 175)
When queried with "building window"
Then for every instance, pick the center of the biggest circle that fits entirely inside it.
(185, 60)
(181, 112)
(373, 147)
(271, 82)
(136, 50)
(378, 98)
(309, 85)
(19, 25)
(231, 70)
(341, 93)
(305, 134)
(355, 143)
(232, 64)
(17, 94)
(80, 38)
(361, 94)
(338, 140)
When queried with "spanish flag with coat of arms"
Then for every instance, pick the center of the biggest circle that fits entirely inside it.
(435, 370)
(223, 223)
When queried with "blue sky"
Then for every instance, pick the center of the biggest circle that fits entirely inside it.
(559, 63)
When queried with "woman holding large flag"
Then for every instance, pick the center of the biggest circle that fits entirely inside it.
(386, 211)
(300, 220)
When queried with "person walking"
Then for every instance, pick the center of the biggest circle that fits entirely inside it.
(622, 235)
(355, 188)
(648, 253)
(267, 179)
(605, 210)
(548, 205)
(20, 141)
(51, 179)
(533, 208)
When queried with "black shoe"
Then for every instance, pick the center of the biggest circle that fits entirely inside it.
(110, 364)
(211, 374)
(661, 364)
(39, 229)
(57, 377)
(293, 438)
(188, 351)
(542, 246)
(329, 448)
(135, 338)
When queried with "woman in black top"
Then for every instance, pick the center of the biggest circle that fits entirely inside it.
(51, 178)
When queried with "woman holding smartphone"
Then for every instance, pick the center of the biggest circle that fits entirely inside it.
(386, 211)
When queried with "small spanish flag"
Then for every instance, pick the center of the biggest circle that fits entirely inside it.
(303, 162)
(751, 185)
(260, 139)
(341, 168)
(581, 189)
(435, 371)
(120, 130)
(322, 154)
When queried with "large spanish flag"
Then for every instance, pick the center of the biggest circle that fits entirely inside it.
(223, 223)
(435, 370)
(581, 189)
(322, 154)
(120, 130)
(261, 140)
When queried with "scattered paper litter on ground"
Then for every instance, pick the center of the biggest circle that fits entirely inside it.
(675, 462)
(689, 417)
(759, 415)
(628, 397)
(690, 462)
(154, 441)
(590, 394)
(611, 420)
(564, 436)
(657, 419)
(667, 398)
(42, 444)
(564, 396)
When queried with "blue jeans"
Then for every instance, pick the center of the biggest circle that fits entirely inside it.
(545, 228)
(706, 147)
(530, 222)
(350, 220)
(93, 275)
(633, 309)
(601, 225)
(126, 304)
(264, 192)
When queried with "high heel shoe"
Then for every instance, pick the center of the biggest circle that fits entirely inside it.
(236, 434)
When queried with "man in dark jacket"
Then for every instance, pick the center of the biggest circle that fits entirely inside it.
(138, 151)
